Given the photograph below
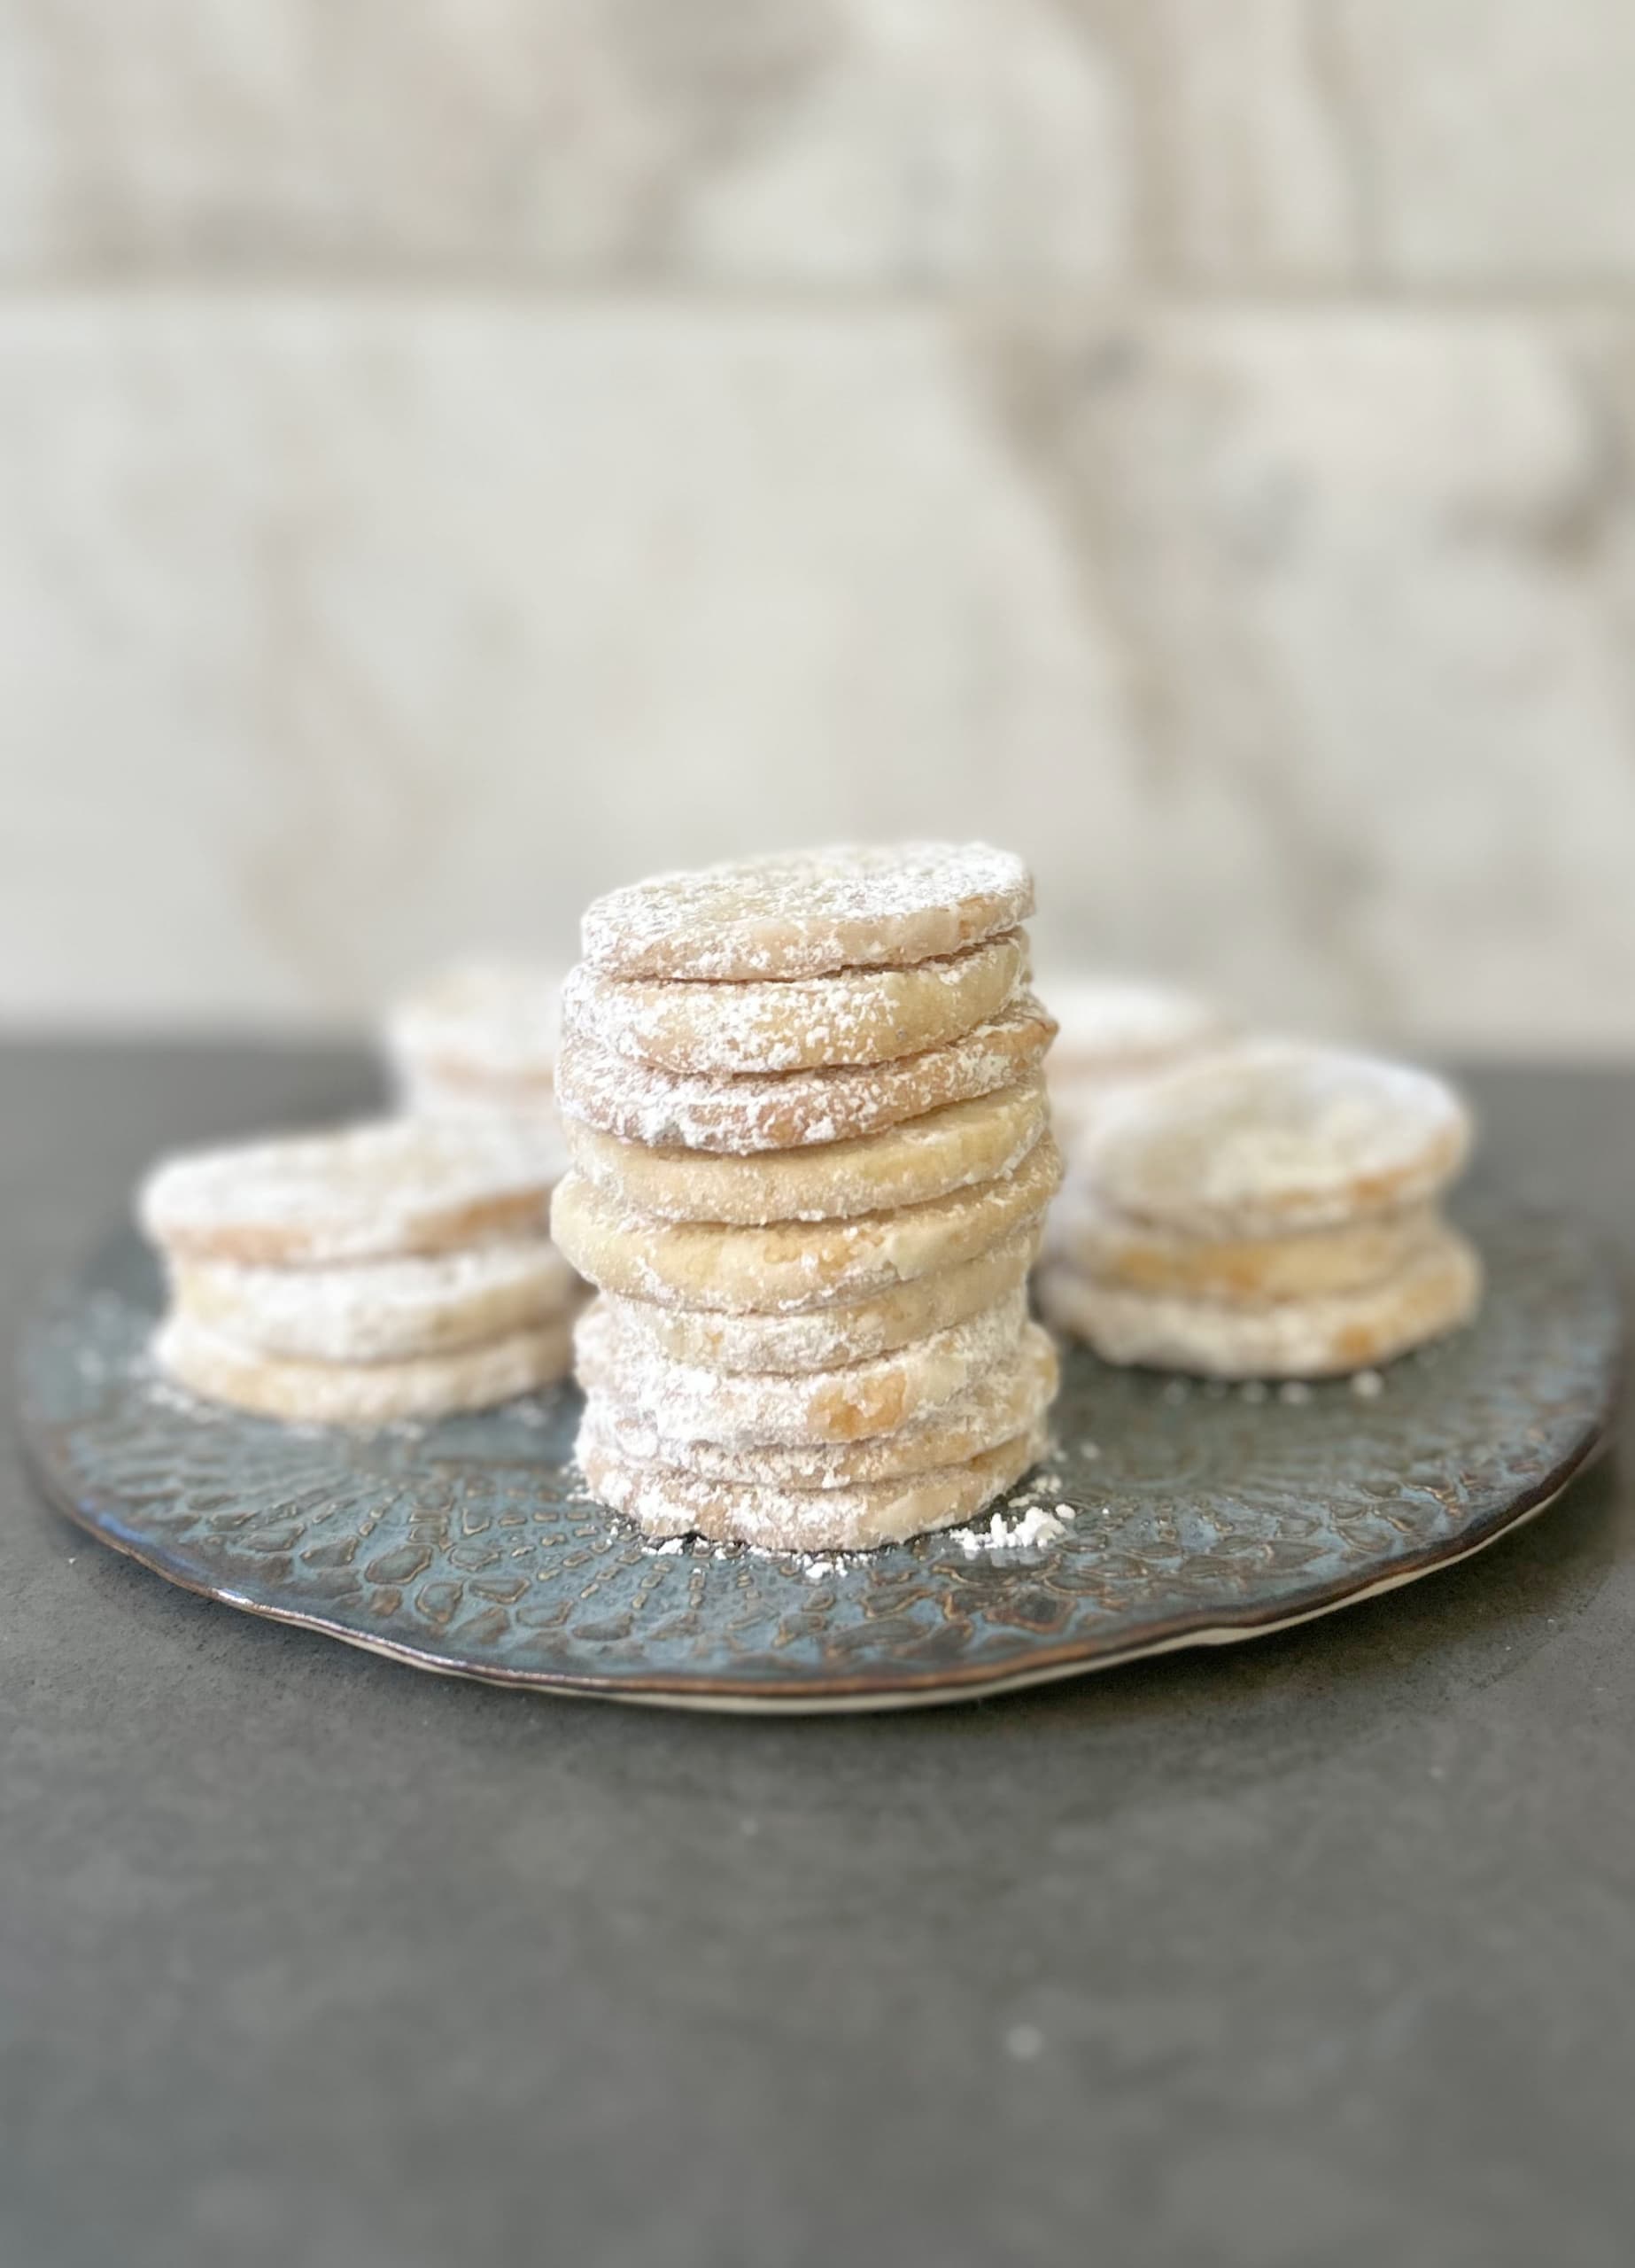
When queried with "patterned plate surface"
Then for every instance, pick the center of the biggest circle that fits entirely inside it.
(1191, 1512)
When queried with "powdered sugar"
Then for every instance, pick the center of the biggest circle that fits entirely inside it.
(684, 1402)
(855, 1016)
(642, 1103)
(374, 1191)
(807, 912)
(1277, 1137)
(924, 1158)
(792, 1266)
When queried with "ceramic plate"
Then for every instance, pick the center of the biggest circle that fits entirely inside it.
(1190, 1513)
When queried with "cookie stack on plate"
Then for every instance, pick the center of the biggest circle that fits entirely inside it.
(479, 1040)
(1272, 1212)
(1115, 1033)
(390, 1270)
(805, 1105)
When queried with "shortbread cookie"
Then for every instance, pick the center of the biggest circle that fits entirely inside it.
(856, 1016)
(683, 1402)
(1437, 1291)
(792, 1265)
(208, 1362)
(1004, 1402)
(372, 1192)
(1274, 1138)
(860, 1518)
(638, 1102)
(806, 914)
(826, 1338)
(1112, 1028)
(381, 1310)
(530, 1103)
(1246, 1271)
(905, 1165)
(480, 1025)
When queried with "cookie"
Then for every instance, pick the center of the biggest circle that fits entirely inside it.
(905, 1165)
(1005, 1401)
(487, 1025)
(1274, 1138)
(808, 913)
(856, 1016)
(860, 1519)
(638, 1102)
(208, 1362)
(685, 1401)
(1435, 1292)
(825, 1339)
(381, 1310)
(373, 1191)
(1246, 1271)
(1112, 1028)
(792, 1265)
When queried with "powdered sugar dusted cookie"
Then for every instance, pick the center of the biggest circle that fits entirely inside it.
(792, 1265)
(372, 1192)
(1246, 1271)
(1277, 1137)
(826, 1338)
(1007, 1399)
(381, 1310)
(664, 1504)
(1436, 1290)
(482, 1025)
(683, 1402)
(639, 1102)
(808, 913)
(210, 1363)
(905, 1165)
(1114, 1027)
(856, 1016)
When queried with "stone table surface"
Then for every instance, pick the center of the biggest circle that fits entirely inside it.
(1316, 1951)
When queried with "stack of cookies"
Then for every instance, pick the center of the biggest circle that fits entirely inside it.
(479, 1040)
(1115, 1033)
(1272, 1212)
(805, 1106)
(390, 1271)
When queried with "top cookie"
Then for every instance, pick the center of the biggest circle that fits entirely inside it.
(1112, 1026)
(480, 1021)
(1277, 1137)
(373, 1191)
(811, 912)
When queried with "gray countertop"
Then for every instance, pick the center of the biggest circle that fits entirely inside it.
(1316, 1951)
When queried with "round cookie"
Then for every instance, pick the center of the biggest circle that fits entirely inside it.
(859, 1519)
(827, 1338)
(904, 1165)
(852, 906)
(792, 1266)
(1003, 1403)
(1437, 1291)
(1246, 1271)
(638, 1102)
(482, 1024)
(209, 1363)
(683, 1402)
(1112, 1028)
(381, 1310)
(856, 1016)
(373, 1192)
(1274, 1138)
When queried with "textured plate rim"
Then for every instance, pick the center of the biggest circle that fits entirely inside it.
(873, 1691)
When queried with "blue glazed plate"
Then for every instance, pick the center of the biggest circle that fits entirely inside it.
(1193, 1514)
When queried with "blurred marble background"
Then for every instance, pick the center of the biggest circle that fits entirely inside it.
(455, 454)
